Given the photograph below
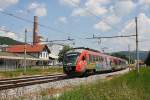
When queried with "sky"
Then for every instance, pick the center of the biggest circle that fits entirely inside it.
(80, 19)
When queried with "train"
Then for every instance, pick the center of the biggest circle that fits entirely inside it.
(81, 61)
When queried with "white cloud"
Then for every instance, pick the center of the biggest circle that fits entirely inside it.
(97, 2)
(6, 3)
(106, 24)
(102, 26)
(97, 6)
(143, 26)
(124, 7)
(144, 23)
(79, 12)
(41, 11)
(6, 33)
(145, 2)
(70, 2)
(98, 10)
(143, 30)
(62, 19)
(129, 29)
(92, 7)
(38, 9)
(11, 35)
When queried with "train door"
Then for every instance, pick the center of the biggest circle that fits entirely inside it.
(104, 63)
(108, 63)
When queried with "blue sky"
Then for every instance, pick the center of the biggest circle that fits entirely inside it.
(79, 19)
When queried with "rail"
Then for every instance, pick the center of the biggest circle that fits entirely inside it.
(30, 80)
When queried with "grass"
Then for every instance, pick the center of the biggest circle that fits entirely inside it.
(130, 86)
(30, 71)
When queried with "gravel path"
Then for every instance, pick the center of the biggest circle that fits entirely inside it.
(19, 92)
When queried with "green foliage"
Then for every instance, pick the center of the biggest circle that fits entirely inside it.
(147, 61)
(8, 41)
(31, 71)
(126, 87)
(142, 54)
(120, 55)
(62, 52)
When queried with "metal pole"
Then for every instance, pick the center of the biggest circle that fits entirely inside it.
(129, 53)
(25, 50)
(137, 52)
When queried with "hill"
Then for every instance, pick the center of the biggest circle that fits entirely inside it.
(8, 41)
(142, 54)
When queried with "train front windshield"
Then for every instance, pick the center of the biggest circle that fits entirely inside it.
(70, 59)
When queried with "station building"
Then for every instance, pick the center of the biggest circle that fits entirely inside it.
(40, 51)
(12, 61)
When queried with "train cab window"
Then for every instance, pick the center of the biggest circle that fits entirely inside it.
(83, 58)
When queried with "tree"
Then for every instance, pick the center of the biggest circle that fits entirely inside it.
(147, 61)
(62, 53)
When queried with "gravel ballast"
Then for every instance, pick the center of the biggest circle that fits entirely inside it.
(31, 91)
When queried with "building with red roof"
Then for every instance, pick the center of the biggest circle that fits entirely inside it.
(37, 50)
(35, 53)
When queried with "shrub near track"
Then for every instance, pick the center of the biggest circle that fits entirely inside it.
(130, 86)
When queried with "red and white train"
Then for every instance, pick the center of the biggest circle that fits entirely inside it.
(84, 60)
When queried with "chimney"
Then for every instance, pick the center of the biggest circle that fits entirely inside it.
(35, 31)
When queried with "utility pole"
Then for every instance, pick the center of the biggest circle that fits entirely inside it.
(137, 52)
(25, 40)
(129, 53)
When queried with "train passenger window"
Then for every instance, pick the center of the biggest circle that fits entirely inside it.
(99, 58)
(90, 58)
(96, 58)
(102, 59)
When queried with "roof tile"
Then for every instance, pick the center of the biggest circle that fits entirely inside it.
(29, 48)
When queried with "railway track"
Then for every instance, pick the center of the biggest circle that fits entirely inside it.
(11, 83)
(30, 80)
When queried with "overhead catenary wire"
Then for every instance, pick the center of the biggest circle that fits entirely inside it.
(30, 21)
(51, 41)
(69, 39)
(118, 36)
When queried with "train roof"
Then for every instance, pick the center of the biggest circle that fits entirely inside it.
(75, 50)
(84, 48)
(80, 49)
